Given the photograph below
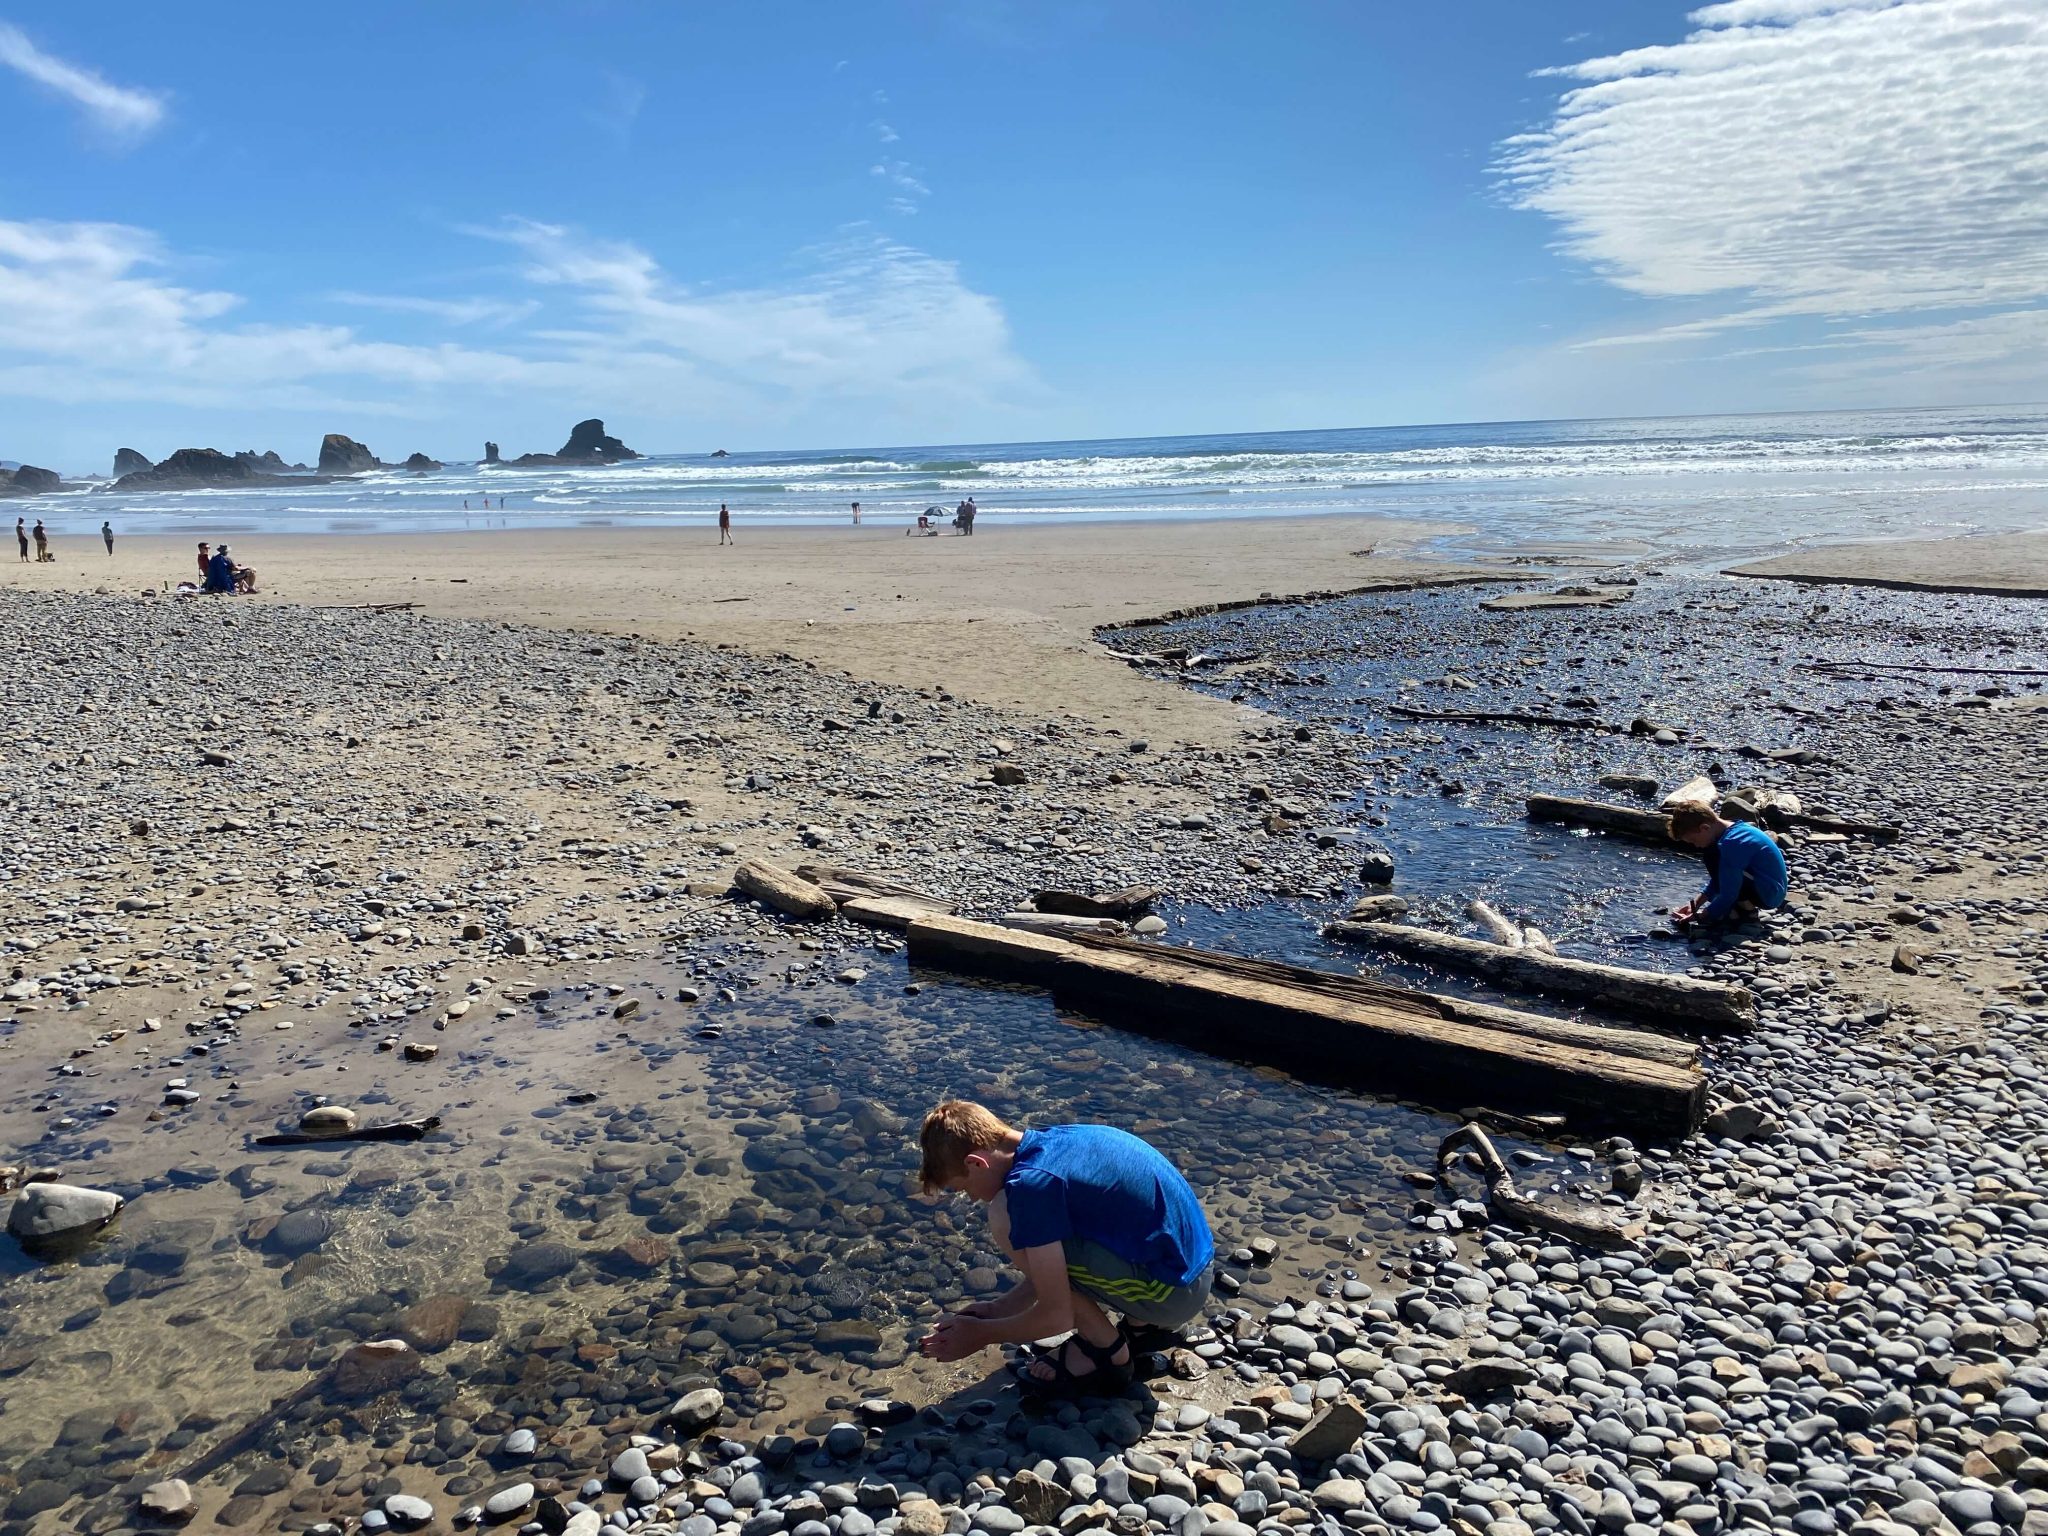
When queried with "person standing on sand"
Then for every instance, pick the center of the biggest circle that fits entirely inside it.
(856, 514)
(107, 533)
(724, 525)
(21, 537)
(42, 542)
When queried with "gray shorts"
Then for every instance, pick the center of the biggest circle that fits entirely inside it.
(1120, 1286)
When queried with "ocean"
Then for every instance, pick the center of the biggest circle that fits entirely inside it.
(1699, 486)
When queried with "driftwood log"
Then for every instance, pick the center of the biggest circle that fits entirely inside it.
(1343, 1028)
(1648, 826)
(1060, 923)
(788, 894)
(1676, 1000)
(397, 1130)
(1592, 1226)
(1131, 901)
(1806, 821)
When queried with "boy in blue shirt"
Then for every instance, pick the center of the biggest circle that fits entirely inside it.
(1745, 867)
(1097, 1220)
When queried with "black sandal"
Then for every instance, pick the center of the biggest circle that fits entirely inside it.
(1110, 1378)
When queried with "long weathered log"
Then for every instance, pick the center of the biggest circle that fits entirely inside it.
(885, 911)
(1501, 717)
(1876, 831)
(397, 1130)
(1677, 1000)
(783, 891)
(1626, 820)
(1594, 1227)
(1344, 1028)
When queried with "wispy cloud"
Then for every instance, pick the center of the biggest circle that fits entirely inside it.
(885, 134)
(618, 106)
(123, 111)
(909, 191)
(492, 312)
(1810, 158)
(92, 312)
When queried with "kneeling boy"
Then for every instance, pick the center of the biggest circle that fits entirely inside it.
(1097, 1220)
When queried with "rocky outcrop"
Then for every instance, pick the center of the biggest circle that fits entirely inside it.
(189, 468)
(421, 462)
(491, 453)
(587, 444)
(340, 455)
(29, 481)
(128, 462)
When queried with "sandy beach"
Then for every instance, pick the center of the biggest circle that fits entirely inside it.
(472, 859)
(1004, 618)
(2013, 564)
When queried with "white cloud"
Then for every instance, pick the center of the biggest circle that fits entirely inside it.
(119, 109)
(886, 134)
(1832, 158)
(90, 312)
(865, 316)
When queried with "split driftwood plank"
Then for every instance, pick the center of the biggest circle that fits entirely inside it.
(1676, 1000)
(844, 885)
(1060, 923)
(1364, 1034)
(884, 911)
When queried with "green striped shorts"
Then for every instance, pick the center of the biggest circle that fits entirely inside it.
(1122, 1287)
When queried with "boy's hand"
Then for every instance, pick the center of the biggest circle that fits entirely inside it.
(1682, 914)
(953, 1338)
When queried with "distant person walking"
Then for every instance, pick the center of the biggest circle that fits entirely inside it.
(21, 537)
(107, 533)
(42, 542)
(856, 514)
(963, 517)
(724, 525)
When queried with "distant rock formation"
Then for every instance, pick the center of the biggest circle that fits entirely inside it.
(587, 445)
(29, 481)
(341, 455)
(421, 462)
(267, 462)
(491, 454)
(128, 462)
(720, 453)
(190, 467)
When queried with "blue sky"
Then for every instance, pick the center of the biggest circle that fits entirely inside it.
(811, 225)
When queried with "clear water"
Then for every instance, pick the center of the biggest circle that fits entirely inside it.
(1707, 484)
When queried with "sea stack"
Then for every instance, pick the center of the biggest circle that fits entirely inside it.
(341, 455)
(491, 453)
(420, 463)
(587, 441)
(128, 462)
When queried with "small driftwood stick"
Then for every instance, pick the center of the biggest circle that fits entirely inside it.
(1500, 717)
(1593, 1227)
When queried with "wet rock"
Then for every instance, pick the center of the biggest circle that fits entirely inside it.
(432, 1324)
(327, 1120)
(695, 1412)
(534, 1265)
(1332, 1432)
(170, 1500)
(509, 1501)
(53, 1215)
(365, 1370)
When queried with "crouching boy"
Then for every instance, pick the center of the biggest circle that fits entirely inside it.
(1098, 1222)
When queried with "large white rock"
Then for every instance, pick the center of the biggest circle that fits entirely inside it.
(57, 1210)
(168, 1500)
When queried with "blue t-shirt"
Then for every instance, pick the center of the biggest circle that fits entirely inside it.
(1745, 850)
(1105, 1185)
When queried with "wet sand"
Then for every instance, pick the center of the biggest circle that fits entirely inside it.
(2008, 565)
(1002, 618)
